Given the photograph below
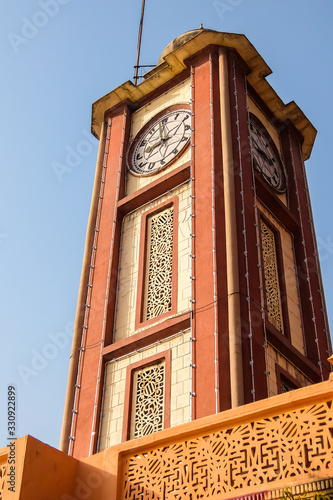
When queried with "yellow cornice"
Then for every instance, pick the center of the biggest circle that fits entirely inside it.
(174, 64)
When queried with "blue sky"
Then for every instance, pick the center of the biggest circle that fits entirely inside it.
(59, 56)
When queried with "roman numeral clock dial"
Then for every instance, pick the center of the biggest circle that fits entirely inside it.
(160, 142)
(265, 157)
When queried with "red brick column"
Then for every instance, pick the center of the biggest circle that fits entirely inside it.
(99, 317)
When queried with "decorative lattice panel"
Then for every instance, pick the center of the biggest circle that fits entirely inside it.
(159, 279)
(297, 445)
(148, 400)
(273, 296)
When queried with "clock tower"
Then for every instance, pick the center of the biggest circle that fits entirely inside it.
(201, 288)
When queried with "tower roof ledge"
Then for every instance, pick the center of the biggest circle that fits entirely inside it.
(172, 62)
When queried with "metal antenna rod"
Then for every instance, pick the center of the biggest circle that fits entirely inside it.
(139, 44)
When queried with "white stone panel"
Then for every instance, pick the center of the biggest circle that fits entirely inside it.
(124, 325)
(114, 389)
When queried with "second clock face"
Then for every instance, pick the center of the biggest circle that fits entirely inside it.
(265, 157)
(160, 142)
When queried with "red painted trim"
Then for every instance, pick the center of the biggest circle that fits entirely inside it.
(200, 57)
(139, 322)
(279, 342)
(306, 301)
(309, 333)
(151, 334)
(166, 356)
(281, 372)
(118, 109)
(203, 325)
(275, 205)
(255, 354)
(155, 189)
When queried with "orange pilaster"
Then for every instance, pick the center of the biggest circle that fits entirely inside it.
(204, 401)
(102, 289)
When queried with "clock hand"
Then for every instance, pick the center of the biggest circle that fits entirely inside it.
(264, 155)
(163, 130)
(158, 143)
(160, 129)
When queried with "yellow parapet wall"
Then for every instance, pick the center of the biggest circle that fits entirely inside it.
(262, 447)
(36, 471)
(257, 449)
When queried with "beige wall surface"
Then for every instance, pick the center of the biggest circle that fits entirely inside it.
(180, 94)
(124, 325)
(115, 381)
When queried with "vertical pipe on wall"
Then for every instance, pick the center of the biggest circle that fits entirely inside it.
(192, 395)
(212, 125)
(234, 319)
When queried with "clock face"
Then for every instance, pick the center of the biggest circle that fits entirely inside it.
(265, 157)
(160, 141)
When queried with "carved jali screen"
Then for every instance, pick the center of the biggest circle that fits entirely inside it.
(295, 445)
(273, 296)
(148, 400)
(159, 263)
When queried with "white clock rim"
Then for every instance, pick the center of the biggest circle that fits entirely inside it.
(162, 113)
